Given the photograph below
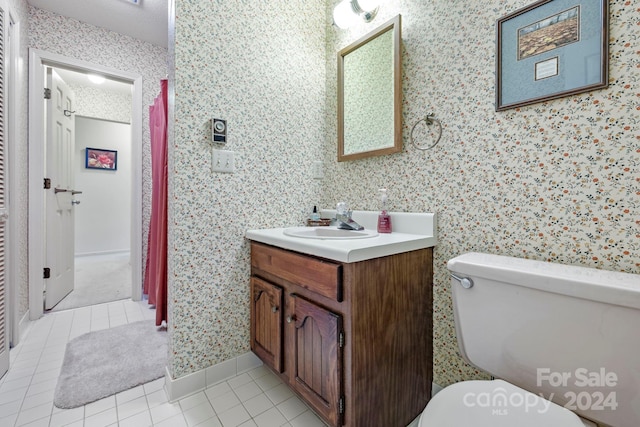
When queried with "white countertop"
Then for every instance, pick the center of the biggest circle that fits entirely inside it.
(411, 231)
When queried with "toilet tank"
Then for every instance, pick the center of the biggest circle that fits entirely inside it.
(569, 333)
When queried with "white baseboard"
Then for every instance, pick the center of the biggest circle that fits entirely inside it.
(23, 326)
(179, 388)
(435, 389)
(113, 252)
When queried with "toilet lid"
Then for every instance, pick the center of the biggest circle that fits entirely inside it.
(494, 403)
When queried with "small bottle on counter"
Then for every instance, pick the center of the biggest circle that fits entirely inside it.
(314, 216)
(384, 219)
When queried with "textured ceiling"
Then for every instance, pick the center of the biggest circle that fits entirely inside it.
(147, 21)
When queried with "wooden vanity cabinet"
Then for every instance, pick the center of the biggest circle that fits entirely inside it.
(266, 323)
(354, 340)
(314, 356)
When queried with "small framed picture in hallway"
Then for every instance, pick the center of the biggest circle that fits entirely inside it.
(97, 158)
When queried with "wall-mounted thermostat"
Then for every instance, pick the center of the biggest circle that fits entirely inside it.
(219, 128)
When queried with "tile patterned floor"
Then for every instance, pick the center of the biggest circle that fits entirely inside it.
(253, 399)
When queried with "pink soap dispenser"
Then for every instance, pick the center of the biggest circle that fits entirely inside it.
(384, 219)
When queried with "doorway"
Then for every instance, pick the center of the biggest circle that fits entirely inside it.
(102, 199)
(38, 62)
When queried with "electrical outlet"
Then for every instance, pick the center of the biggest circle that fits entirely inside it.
(223, 161)
(317, 171)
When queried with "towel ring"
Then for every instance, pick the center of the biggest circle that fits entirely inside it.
(429, 120)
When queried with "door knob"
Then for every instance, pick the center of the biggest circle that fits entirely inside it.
(274, 308)
(291, 318)
(75, 202)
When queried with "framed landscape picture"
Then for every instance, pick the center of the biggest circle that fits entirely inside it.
(551, 49)
(97, 158)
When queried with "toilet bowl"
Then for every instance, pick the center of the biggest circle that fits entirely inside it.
(559, 337)
(495, 403)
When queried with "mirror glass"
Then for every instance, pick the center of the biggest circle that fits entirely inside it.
(370, 95)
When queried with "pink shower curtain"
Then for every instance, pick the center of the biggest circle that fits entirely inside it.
(155, 278)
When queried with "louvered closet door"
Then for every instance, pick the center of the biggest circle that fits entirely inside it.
(4, 215)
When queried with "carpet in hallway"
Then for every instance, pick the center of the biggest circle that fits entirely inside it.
(98, 279)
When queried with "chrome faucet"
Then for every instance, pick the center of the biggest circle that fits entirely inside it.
(345, 222)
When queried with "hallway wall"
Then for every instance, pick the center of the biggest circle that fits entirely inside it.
(103, 217)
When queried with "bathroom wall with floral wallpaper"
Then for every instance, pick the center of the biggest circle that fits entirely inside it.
(102, 104)
(19, 144)
(556, 181)
(262, 68)
(553, 181)
(74, 39)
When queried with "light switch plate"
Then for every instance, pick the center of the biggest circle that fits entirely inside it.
(317, 171)
(223, 161)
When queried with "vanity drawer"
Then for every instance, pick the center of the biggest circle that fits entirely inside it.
(319, 276)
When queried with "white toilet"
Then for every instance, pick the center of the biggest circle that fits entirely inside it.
(569, 334)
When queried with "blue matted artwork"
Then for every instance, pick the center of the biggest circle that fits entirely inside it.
(551, 49)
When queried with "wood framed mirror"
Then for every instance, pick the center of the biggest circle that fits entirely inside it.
(370, 94)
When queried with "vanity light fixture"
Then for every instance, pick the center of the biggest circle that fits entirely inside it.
(349, 12)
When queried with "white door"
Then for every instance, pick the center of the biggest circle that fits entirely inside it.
(4, 213)
(60, 143)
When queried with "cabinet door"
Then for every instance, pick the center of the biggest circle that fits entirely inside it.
(266, 322)
(315, 365)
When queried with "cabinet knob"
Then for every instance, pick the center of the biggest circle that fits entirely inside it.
(274, 308)
(291, 318)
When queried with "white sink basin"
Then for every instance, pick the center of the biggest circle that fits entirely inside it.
(328, 233)
(411, 231)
